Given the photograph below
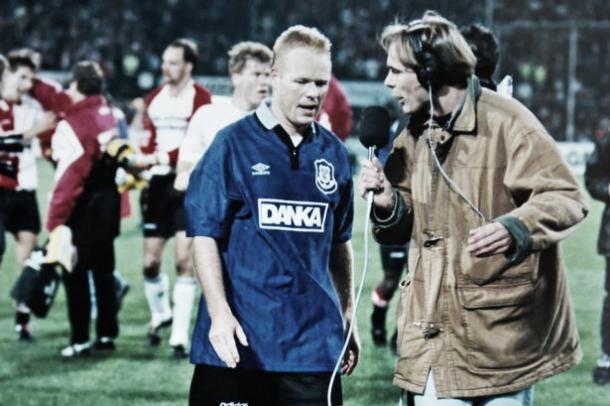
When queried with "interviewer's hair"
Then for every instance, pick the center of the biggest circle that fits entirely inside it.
(300, 36)
(438, 35)
(242, 51)
(89, 77)
(23, 57)
(190, 51)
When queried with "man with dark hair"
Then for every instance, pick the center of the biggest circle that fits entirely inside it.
(169, 109)
(479, 186)
(484, 45)
(85, 198)
(21, 117)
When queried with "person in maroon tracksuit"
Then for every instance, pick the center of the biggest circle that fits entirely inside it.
(85, 198)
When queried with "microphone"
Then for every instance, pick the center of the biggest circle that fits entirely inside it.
(374, 128)
(374, 133)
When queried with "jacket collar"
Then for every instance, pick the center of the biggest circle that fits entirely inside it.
(465, 120)
(268, 120)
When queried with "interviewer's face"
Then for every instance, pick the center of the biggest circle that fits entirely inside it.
(403, 84)
(299, 80)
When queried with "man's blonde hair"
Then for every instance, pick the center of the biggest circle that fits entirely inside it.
(300, 36)
(242, 51)
(438, 36)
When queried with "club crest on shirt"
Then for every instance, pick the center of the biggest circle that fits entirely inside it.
(325, 176)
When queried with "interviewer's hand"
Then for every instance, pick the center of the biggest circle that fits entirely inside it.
(373, 179)
(490, 239)
(223, 331)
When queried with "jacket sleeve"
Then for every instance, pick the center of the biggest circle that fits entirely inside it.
(396, 227)
(74, 163)
(597, 173)
(50, 95)
(548, 198)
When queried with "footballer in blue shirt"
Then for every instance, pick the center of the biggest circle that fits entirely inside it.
(270, 207)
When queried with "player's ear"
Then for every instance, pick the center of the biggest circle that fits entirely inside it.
(275, 76)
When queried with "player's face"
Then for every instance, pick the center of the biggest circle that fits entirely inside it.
(252, 83)
(403, 84)
(17, 83)
(300, 82)
(174, 68)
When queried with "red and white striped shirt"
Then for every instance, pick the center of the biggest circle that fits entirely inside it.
(167, 117)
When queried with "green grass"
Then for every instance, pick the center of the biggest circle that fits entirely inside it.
(136, 375)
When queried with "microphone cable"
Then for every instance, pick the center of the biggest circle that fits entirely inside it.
(444, 174)
(369, 206)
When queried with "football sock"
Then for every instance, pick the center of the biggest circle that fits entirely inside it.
(185, 289)
(156, 292)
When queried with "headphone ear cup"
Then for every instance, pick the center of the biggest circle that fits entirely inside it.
(428, 69)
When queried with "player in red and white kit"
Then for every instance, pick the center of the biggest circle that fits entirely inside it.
(169, 109)
(21, 116)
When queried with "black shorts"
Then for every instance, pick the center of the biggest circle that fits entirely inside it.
(162, 207)
(19, 211)
(214, 386)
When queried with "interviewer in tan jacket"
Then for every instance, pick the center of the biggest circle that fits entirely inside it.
(484, 312)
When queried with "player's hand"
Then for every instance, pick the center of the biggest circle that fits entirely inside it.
(372, 178)
(140, 162)
(223, 331)
(350, 359)
(182, 181)
(490, 239)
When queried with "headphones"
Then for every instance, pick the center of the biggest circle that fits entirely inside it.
(428, 69)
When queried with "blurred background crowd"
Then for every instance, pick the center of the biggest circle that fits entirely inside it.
(556, 51)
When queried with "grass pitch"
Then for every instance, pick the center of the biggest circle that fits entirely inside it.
(33, 374)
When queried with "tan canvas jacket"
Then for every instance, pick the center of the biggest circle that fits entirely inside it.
(483, 325)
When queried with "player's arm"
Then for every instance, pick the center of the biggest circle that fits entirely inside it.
(183, 171)
(73, 168)
(51, 95)
(191, 149)
(224, 327)
(44, 122)
(341, 265)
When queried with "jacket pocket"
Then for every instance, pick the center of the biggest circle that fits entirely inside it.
(500, 329)
(482, 271)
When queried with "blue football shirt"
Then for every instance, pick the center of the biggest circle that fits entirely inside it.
(275, 211)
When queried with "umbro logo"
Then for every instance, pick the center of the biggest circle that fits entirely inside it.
(260, 169)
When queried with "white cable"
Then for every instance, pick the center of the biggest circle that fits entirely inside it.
(450, 181)
(369, 205)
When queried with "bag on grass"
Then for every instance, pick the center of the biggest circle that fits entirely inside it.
(37, 285)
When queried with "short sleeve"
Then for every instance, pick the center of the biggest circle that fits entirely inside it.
(212, 195)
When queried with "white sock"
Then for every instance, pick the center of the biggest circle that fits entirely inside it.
(156, 292)
(185, 289)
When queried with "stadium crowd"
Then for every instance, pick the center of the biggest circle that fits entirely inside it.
(129, 51)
